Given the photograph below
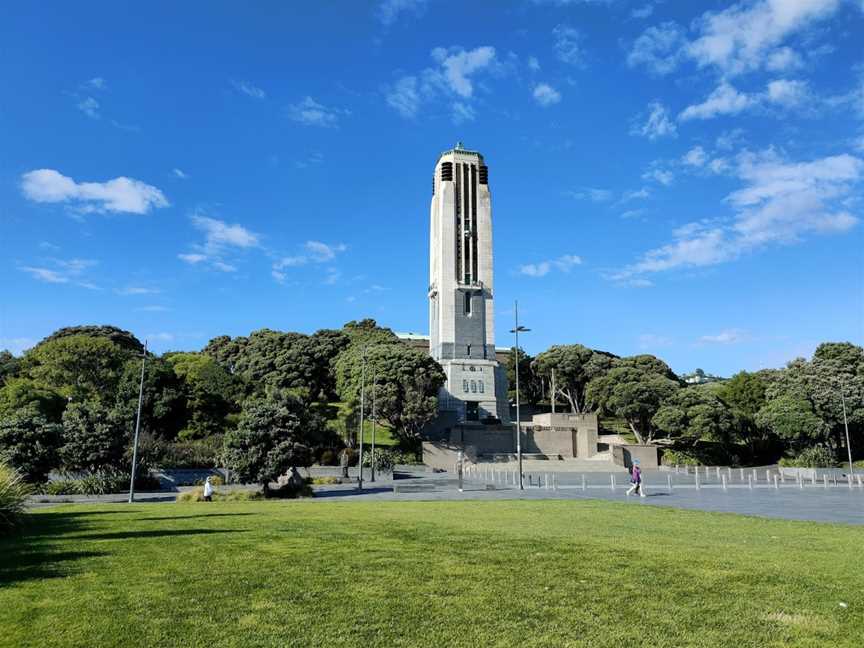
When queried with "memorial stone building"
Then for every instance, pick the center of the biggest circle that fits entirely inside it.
(461, 289)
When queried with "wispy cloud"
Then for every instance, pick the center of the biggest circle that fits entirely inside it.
(249, 89)
(591, 193)
(179, 173)
(657, 124)
(313, 252)
(137, 290)
(389, 11)
(728, 336)
(563, 263)
(781, 202)
(61, 271)
(120, 195)
(453, 79)
(220, 239)
(546, 95)
(153, 308)
(312, 113)
(89, 106)
(567, 42)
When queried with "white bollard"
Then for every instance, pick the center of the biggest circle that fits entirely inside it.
(767, 475)
(755, 478)
(782, 477)
(723, 481)
(750, 482)
(742, 474)
(583, 482)
(697, 480)
(612, 480)
(776, 483)
(718, 472)
(825, 479)
(669, 482)
(800, 481)
(860, 485)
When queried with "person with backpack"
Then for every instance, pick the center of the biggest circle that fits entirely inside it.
(636, 480)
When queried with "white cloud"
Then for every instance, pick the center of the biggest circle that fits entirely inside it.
(727, 140)
(783, 59)
(97, 83)
(63, 271)
(249, 89)
(563, 263)
(44, 274)
(695, 157)
(220, 234)
(724, 100)
(743, 37)
(90, 107)
(178, 173)
(642, 12)
(635, 194)
(567, 44)
(389, 11)
(781, 202)
(659, 174)
(153, 308)
(658, 123)
(533, 64)
(453, 78)
(224, 267)
(592, 194)
(462, 112)
(192, 258)
(138, 290)
(315, 252)
(788, 93)
(121, 195)
(332, 277)
(404, 96)
(546, 95)
(311, 113)
(459, 65)
(729, 336)
(658, 48)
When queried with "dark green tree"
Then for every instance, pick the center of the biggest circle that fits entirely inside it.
(211, 393)
(19, 393)
(9, 365)
(30, 442)
(78, 366)
(407, 382)
(575, 366)
(696, 413)
(530, 385)
(634, 394)
(792, 418)
(163, 408)
(94, 437)
(274, 433)
(123, 339)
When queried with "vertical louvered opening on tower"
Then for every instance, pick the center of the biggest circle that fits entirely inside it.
(446, 172)
(484, 174)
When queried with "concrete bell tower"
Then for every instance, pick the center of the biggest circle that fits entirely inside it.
(461, 310)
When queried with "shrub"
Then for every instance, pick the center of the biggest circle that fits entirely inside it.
(815, 457)
(13, 496)
(100, 482)
(328, 458)
(324, 481)
(202, 453)
(30, 443)
(384, 459)
(197, 495)
(679, 458)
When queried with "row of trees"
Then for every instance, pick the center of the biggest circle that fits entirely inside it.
(268, 400)
(273, 399)
(759, 416)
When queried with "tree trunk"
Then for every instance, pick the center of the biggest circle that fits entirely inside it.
(574, 407)
(639, 438)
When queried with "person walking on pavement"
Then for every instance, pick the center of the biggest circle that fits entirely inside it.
(636, 480)
(208, 490)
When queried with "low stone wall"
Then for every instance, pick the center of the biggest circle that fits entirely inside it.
(625, 455)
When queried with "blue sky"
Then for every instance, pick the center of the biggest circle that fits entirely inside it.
(677, 178)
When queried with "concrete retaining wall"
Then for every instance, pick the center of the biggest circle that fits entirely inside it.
(624, 455)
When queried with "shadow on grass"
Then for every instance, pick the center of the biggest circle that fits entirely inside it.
(39, 564)
(156, 533)
(320, 494)
(189, 517)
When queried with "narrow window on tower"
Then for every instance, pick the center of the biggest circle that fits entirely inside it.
(467, 303)
(473, 386)
(465, 386)
(459, 222)
(474, 272)
(480, 386)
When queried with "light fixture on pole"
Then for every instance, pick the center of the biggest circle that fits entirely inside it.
(362, 407)
(517, 330)
(848, 442)
(374, 419)
(137, 428)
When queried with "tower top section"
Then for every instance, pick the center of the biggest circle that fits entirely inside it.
(462, 151)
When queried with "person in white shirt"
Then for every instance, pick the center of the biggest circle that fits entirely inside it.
(208, 490)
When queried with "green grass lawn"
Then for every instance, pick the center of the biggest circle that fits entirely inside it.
(478, 574)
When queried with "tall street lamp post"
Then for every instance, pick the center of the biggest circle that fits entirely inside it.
(362, 412)
(848, 442)
(374, 420)
(137, 428)
(518, 329)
